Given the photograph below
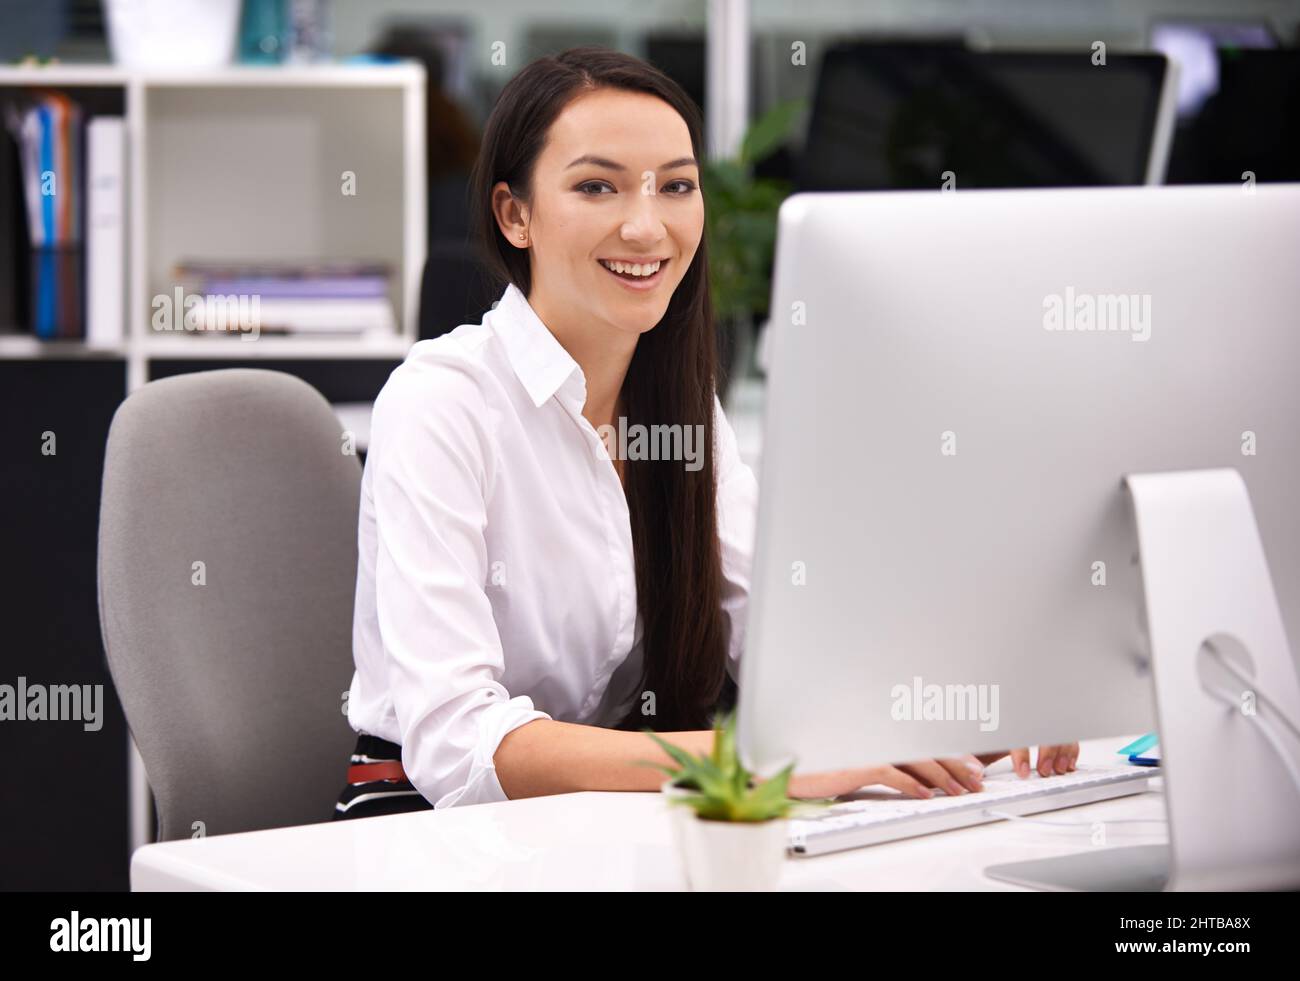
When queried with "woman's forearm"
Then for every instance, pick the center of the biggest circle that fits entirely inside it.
(548, 757)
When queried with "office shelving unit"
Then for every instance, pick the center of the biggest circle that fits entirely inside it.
(242, 163)
(246, 163)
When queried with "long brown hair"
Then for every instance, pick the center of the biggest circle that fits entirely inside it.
(671, 380)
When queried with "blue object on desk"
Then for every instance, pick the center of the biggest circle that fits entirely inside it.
(1139, 746)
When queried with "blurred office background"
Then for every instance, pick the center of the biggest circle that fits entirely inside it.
(824, 94)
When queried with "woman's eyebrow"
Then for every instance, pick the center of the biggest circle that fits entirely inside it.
(595, 161)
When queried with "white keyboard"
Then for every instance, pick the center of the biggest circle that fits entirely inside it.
(869, 818)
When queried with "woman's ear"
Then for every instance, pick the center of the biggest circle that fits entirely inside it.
(511, 215)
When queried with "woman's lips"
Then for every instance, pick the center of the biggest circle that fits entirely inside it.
(641, 283)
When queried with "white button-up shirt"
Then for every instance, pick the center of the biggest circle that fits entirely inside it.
(495, 579)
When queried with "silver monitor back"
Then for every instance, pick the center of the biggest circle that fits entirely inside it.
(942, 529)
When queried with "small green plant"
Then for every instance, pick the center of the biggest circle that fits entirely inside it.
(723, 789)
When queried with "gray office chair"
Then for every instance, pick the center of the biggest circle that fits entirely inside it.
(232, 671)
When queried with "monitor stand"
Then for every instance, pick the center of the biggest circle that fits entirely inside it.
(1133, 868)
(1228, 757)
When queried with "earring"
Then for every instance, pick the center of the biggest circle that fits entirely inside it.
(522, 236)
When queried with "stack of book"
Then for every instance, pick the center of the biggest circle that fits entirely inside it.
(335, 297)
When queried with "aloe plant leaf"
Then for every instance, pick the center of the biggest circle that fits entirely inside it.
(681, 756)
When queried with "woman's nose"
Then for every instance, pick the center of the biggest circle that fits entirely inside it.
(644, 223)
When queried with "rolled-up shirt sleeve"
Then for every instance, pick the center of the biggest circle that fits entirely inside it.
(432, 460)
(737, 517)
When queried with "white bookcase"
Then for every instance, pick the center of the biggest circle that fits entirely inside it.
(247, 163)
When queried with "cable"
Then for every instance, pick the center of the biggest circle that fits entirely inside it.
(1265, 727)
(1250, 686)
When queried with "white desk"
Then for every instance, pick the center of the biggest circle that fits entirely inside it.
(603, 841)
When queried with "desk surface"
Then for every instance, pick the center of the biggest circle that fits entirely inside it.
(606, 841)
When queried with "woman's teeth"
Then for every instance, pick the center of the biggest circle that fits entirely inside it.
(637, 269)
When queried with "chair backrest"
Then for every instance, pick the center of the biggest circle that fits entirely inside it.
(227, 574)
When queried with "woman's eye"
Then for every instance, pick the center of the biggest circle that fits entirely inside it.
(597, 188)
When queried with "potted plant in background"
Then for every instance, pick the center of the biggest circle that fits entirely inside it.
(735, 839)
(740, 229)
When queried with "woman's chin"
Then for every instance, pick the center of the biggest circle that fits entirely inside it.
(642, 324)
(635, 318)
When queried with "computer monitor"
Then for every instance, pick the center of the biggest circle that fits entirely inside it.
(899, 115)
(959, 385)
(1241, 120)
(1195, 45)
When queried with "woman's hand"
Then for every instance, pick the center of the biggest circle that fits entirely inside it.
(1051, 759)
(952, 776)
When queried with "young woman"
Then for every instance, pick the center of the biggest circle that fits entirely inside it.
(528, 601)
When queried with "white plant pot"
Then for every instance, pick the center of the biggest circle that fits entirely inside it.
(726, 856)
(172, 33)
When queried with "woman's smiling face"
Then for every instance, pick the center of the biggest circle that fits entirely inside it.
(617, 181)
